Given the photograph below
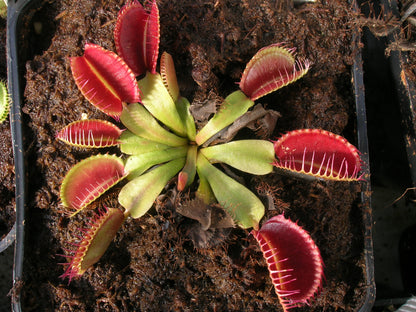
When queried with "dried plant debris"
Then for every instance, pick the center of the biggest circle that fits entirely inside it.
(381, 24)
(260, 120)
(209, 216)
(402, 28)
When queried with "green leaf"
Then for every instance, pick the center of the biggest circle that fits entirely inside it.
(234, 106)
(139, 121)
(132, 144)
(182, 104)
(137, 164)
(252, 156)
(138, 195)
(245, 208)
(187, 175)
(160, 104)
(204, 191)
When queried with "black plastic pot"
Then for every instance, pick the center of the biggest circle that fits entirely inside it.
(407, 96)
(18, 22)
(407, 99)
(8, 239)
(358, 81)
(15, 65)
(406, 91)
(391, 119)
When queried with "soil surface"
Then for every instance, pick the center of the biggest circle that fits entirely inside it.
(154, 264)
(7, 202)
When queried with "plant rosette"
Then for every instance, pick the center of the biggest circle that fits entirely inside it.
(161, 142)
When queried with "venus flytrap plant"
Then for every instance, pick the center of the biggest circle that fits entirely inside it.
(161, 141)
(3, 9)
(4, 102)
